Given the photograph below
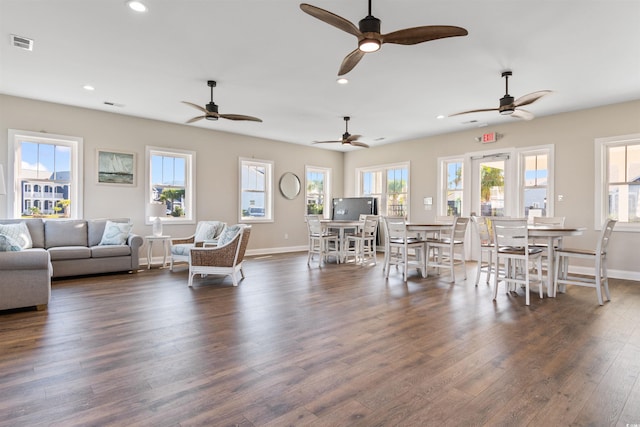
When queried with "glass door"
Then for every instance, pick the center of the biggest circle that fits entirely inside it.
(491, 182)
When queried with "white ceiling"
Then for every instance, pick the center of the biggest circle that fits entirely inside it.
(273, 61)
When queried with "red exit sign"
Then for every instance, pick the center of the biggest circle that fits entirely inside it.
(489, 137)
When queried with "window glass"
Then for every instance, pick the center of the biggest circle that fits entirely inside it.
(171, 182)
(46, 172)
(623, 164)
(256, 190)
(317, 191)
(535, 185)
(455, 192)
(388, 184)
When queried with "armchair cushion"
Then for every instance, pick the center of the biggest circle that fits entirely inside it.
(228, 234)
(181, 249)
(208, 230)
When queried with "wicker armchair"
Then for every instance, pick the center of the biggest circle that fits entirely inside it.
(206, 232)
(222, 260)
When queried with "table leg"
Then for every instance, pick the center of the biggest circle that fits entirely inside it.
(165, 248)
(149, 251)
(550, 270)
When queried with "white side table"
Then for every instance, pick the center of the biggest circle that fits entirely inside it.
(166, 242)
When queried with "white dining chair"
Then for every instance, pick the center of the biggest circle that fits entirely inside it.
(484, 246)
(321, 242)
(511, 238)
(597, 257)
(362, 244)
(402, 249)
(441, 252)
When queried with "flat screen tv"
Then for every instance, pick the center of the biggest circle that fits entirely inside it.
(350, 208)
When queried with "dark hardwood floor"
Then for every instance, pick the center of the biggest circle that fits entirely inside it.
(336, 346)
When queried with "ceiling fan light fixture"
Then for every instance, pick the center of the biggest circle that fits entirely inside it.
(368, 45)
(507, 111)
(137, 6)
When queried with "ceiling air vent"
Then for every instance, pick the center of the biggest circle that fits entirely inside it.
(21, 42)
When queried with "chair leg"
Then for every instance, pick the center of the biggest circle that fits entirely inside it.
(190, 282)
(598, 276)
(495, 279)
(489, 265)
(540, 277)
(605, 279)
(451, 264)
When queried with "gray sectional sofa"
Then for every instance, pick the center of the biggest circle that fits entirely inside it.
(60, 248)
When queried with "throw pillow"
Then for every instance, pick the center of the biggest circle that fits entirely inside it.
(8, 244)
(228, 234)
(207, 230)
(115, 233)
(19, 232)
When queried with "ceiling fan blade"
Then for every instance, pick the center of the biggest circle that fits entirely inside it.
(350, 61)
(325, 142)
(239, 117)
(474, 111)
(530, 98)
(359, 144)
(522, 114)
(423, 34)
(195, 119)
(331, 19)
(352, 138)
(195, 106)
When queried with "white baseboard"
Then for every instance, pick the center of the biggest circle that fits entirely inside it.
(614, 274)
(282, 250)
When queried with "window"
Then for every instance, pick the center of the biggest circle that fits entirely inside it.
(170, 180)
(318, 191)
(389, 184)
(256, 190)
(536, 182)
(618, 181)
(454, 192)
(46, 173)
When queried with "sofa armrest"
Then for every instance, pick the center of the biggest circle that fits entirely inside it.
(135, 242)
(30, 259)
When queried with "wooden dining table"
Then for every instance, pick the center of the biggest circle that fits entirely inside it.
(553, 234)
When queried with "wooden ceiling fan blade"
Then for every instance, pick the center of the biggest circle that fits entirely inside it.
(195, 119)
(523, 114)
(359, 144)
(325, 142)
(530, 98)
(350, 61)
(474, 111)
(417, 35)
(352, 138)
(239, 117)
(195, 106)
(331, 19)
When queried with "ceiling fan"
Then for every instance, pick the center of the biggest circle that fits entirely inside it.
(347, 138)
(211, 110)
(510, 107)
(369, 37)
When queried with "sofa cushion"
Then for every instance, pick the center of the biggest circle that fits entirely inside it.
(65, 233)
(9, 244)
(18, 233)
(228, 234)
(115, 233)
(95, 229)
(105, 251)
(69, 252)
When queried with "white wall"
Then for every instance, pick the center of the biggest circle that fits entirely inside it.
(217, 156)
(573, 135)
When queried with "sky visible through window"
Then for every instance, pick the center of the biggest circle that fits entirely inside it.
(42, 160)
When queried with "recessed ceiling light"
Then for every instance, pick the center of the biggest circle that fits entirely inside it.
(88, 87)
(136, 5)
(440, 117)
(342, 80)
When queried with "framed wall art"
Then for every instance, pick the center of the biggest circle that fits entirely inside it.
(116, 167)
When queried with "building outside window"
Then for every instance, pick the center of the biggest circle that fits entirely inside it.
(47, 175)
(455, 192)
(170, 180)
(535, 168)
(256, 190)
(317, 191)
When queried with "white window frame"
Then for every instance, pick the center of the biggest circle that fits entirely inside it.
(549, 150)
(602, 179)
(189, 185)
(382, 206)
(76, 208)
(326, 186)
(443, 184)
(268, 190)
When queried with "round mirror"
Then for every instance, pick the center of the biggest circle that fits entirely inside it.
(290, 185)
